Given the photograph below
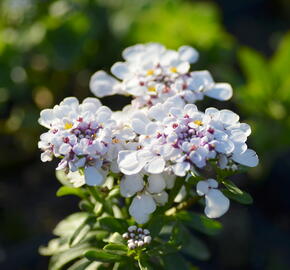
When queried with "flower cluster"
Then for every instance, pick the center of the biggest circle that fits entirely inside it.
(81, 135)
(137, 237)
(160, 136)
(179, 139)
(153, 74)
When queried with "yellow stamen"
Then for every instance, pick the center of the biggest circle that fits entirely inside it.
(173, 69)
(152, 89)
(198, 122)
(68, 125)
(150, 72)
(115, 140)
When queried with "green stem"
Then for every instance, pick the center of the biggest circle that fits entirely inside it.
(183, 205)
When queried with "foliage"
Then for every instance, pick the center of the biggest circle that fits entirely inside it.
(265, 98)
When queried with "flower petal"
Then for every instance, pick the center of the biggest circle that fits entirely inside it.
(220, 91)
(130, 184)
(102, 84)
(248, 158)
(141, 206)
(156, 183)
(120, 70)
(156, 165)
(217, 203)
(187, 53)
(128, 162)
(93, 177)
(202, 188)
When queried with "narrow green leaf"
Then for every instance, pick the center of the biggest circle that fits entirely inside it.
(199, 222)
(64, 190)
(102, 256)
(116, 248)
(244, 198)
(114, 224)
(232, 187)
(59, 260)
(82, 230)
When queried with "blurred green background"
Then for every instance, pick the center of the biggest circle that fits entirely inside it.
(49, 50)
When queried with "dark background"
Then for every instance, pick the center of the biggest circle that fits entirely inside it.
(49, 49)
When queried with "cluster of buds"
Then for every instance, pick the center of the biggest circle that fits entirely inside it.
(137, 237)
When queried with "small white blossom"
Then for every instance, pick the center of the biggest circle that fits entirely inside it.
(149, 193)
(217, 204)
(81, 135)
(152, 74)
(181, 138)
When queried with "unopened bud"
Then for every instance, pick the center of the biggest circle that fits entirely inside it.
(147, 239)
(132, 228)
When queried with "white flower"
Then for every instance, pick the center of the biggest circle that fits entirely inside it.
(152, 74)
(149, 193)
(217, 204)
(141, 207)
(181, 138)
(82, 135)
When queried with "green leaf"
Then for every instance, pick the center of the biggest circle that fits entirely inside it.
(143, 263)
(114, 238)
(82, 230)
(163, 249)
(232, 187)
(59, 260)
(244, 198)
(67, 226)
(102, 256)
(114, 224)
(156, 224)
(174, 262)
(64, 190)
(199, 222)
(195, 248)
(116, 248)
(80, 265)
(85, 206)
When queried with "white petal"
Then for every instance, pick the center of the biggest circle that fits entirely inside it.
(187, 53)
(128, 162)
(161, 198)
(169, 180)
(64, 149)
(139, 126)
(93, 177)
(229, 117)
(70, 101)
(202, 188)
(46, 156)
(156, 165)
(248, 158)
(181, 168)
(220, 91)
(130, 184)
(212, 183)
(224, 147)
(156, 183)
(141, 206)
(217, 203)
(102, 84)
(46, 118)
(120, 70)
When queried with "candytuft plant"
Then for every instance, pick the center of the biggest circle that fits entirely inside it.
(138, 171)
